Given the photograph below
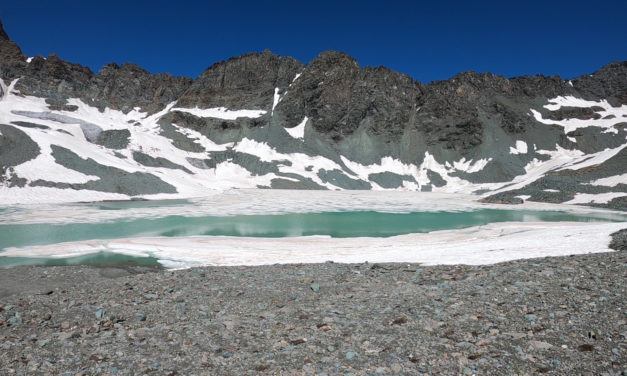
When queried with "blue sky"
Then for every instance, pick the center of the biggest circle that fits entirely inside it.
(427, 40)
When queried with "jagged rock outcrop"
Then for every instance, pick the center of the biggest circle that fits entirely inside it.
(244, 82)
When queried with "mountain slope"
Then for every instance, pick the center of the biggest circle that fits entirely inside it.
(262, 120)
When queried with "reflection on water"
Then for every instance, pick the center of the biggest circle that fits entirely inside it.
(334, 224)
(100, 259)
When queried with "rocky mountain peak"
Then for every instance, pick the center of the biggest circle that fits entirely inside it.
(3, 34)
(12, 60)
(246, 81)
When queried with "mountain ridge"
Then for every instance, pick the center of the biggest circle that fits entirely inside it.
(328, 124)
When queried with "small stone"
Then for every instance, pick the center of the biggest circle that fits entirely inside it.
(396, 367)
(540, 345)
(350, 355)
(330, 348)
(399, 320)
(47, 317)
(141, 316)
(100, 313)
(531, 317)
(315, 287)
(43, 342)
(586, 347)
(298, 341)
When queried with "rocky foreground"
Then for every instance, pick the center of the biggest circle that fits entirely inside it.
(562, 316)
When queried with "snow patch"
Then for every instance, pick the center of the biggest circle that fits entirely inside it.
(611, 181)
(598, 198)
(222, 113)
(298, 132)
(276, 99)
(521, 148)
(45, 167)
(301, 164)
(572, 124)
(420, 173)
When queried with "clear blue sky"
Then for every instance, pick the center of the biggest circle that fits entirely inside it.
(429, 41)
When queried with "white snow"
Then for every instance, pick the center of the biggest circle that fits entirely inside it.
(300, 162)
(469, 167)
(572, 124)
(521, 148)
(611, 181)
(420, 173)
(524, 197)
(551, 190)
(276, 99)
(263, 202)
(296, 77)
(44, 167)
(44, 195)
(221, 113)
(202, 140)
(560, 159)
(298, 131)
(492, 243)
(580, 160)
(598, 198)
(145, 137)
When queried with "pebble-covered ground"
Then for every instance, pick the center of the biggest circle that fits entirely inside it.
(561, 316)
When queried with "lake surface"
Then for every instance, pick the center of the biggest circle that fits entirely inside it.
(249, 216)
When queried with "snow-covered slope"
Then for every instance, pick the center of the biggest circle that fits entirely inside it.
(265, 121)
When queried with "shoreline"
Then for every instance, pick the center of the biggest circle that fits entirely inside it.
(486, 244)
(553, 315)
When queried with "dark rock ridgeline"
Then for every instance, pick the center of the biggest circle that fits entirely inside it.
(244, 82)
(340, 96)
(333, 91)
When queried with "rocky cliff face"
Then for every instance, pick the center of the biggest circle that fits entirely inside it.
(262, 120)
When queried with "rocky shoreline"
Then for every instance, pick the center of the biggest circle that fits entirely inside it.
(561, 316)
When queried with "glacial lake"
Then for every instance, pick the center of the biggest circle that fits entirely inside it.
(51, 224)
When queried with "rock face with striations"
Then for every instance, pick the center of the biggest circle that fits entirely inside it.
(262, 120)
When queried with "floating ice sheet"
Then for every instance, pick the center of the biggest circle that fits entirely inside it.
(476, 245)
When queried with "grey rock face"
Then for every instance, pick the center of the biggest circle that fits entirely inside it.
(128, 86)
(12, 60)
(244, 82)
(13, 140)
(110, 179)
(339, 96)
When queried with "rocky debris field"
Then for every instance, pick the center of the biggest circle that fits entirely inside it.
(560, 316)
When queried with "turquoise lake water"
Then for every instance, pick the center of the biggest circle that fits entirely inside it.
(334, 224)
